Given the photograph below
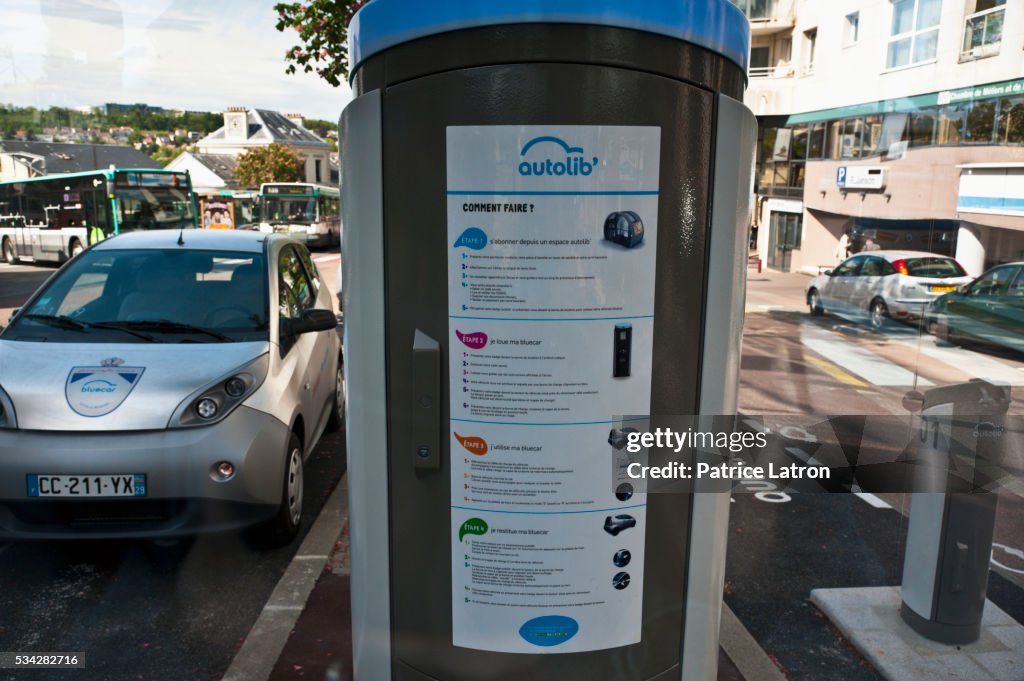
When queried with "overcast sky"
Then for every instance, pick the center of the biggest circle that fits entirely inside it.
(200, 55)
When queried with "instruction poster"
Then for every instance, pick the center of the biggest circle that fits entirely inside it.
(552, 235)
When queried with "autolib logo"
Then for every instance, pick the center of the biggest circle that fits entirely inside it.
(572, 165)
(473, 341)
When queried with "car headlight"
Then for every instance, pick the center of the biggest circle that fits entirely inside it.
(7, 416)
(212, 403)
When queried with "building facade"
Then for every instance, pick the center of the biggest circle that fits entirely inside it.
(246, 129)
(900, 121)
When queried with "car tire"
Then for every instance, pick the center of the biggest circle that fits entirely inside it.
(879, 312)
(337, 418)
(814, 303)
(10, 255)
(284, 526)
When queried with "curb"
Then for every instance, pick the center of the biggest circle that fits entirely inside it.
(267, 638)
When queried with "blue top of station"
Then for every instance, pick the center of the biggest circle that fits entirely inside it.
(717, 25)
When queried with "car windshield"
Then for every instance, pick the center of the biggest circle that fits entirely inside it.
(934, 267)
(144, 296)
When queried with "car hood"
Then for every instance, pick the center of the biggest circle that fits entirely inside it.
(97, 387)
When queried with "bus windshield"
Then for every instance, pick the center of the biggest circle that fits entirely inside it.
(153, 201)
(290, 209)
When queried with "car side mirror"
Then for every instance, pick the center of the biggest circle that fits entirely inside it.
(314, 320)
(14, 313)
(827, 273)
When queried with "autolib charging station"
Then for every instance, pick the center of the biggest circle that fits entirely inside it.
(546, 206)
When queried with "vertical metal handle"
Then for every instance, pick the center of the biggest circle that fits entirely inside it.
(426, 403)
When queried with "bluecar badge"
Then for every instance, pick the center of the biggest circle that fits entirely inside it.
(97, 391)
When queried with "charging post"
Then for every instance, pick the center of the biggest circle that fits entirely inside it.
(546, 206)
(952, 515)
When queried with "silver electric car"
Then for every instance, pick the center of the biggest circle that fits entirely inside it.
(167, 383)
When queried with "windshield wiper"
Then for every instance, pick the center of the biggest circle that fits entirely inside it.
(164, 326)
(59, 321)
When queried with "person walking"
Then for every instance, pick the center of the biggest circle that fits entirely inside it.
(843, 247)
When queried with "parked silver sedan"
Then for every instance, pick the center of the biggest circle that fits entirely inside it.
(165, 383)
(884, 284)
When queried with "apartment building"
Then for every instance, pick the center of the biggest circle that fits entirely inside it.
(901, 121)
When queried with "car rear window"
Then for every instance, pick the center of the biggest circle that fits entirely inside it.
(934, 267)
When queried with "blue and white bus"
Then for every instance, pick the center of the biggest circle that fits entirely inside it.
(54, 217)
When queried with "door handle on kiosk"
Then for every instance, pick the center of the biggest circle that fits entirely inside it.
(426, 403)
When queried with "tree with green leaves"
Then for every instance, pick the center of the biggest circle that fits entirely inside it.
(272, 163)
(322, 26)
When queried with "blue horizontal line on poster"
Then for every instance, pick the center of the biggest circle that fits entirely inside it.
(498, 192)
(550, 319)
(599, 510)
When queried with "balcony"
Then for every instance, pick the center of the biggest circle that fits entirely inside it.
(780, 71)
(768, 16)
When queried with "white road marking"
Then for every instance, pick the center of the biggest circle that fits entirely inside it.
(326, 258)
(860, 362)
(1012, 551)
(872, 499)
(972, 363)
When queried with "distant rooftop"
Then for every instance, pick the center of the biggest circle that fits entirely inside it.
(269, 127)
(47, 158)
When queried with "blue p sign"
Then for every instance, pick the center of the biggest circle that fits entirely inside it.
(841, 176)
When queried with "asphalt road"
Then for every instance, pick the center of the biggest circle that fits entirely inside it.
(138, 610)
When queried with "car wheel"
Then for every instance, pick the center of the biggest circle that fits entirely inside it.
(337, 419)
(284, 526)
(879, 313)
(10, 255)
(75, 247)
(814, 303)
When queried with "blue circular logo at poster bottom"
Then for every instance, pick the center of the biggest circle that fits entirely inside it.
(549, 630)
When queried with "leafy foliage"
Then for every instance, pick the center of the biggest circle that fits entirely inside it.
(322, 26)
(272, 163)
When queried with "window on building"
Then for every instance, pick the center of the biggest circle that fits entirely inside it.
(756, 10)
(816, 141)
(760, 58)
(799, 142)
(983, 28)
(851, 29)
(1010, 122)
(980, 122)
(318, 170)
(871, 134)
(914, 35)
(894, 130)
(810, 43)
(922, 127)
(952, 124)
(849, 145)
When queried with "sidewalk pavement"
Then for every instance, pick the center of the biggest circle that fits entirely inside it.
(770, 290)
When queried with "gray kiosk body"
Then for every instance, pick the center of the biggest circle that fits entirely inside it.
(953, 511)
(479, 136)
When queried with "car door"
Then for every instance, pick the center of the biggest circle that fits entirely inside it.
(1008, 313)
(296, 295)
(868, 281)
(837, 289)
(324, 350)
(973, 314)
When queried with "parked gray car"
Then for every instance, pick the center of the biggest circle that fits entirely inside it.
(166, 383)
